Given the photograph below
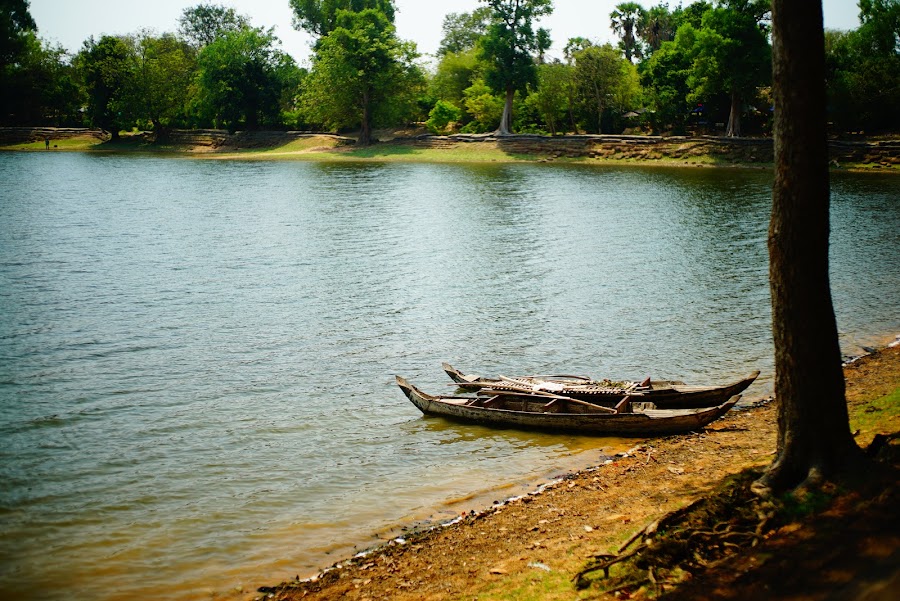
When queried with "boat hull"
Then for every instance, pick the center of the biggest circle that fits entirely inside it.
(648, 423)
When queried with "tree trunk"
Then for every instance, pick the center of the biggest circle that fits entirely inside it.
(814, 440)
(734, 116)
(365, 134)
(506, 119)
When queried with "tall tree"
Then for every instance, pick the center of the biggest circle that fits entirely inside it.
(664, 76)
(15, 23)
(320, 17)
(732, 55)
(164, 69)
(203, 24)
(361, 72)
(462, 31)
(508, 46)
(624, 20)
(814, 439)
(241, 79)
(551, 97)
(41, 87)
(656, 25)
(106, 67)
(605, 82)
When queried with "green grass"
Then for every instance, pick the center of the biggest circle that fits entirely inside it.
(79, 143)
(879, 416)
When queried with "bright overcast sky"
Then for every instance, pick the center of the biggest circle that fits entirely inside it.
(70, 22)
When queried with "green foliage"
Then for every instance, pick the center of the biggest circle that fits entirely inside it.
(242, 79)
(624, 20)
(41, 87)
(664, 77)
(463, 31)
(863, 70)
(551, 100)
(362, 75)
(507, 48)
(441, 116)
(203, 24)
(606, 86)
(484, 106)
(164, 69)
(455, 73)
(320, 17)
(15, 23)
(106, 68)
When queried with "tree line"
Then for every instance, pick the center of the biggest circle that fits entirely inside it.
(705, 66)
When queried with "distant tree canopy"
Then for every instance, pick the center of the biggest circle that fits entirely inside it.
(701, 67)
(203, 24)
(320, 17)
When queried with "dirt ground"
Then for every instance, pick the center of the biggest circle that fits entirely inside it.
(533, 546)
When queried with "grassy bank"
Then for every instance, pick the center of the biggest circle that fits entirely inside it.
(620, 150)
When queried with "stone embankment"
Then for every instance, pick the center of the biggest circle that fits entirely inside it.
(684, 149)
(20, 135)
(680, 148)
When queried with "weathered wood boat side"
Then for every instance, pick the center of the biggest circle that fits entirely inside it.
(664, 394)
(557, 414)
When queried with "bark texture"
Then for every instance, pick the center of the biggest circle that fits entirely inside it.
(814, 440)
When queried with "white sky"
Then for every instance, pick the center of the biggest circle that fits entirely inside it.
(71, 22)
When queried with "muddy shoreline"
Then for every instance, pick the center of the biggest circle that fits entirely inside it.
(529, 545)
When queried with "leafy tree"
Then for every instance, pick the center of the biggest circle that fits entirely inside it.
(732, 56)
(863, 70)
(455, 72)
(242, 78)
(362, 74)
(814, 439)
(441, 116)
(164, 68)
(41, 87)
(320, 17)
(605, 82)
(462, 31)
(203, 24)
(664, 77)
(485, 107)
(15, 23)
(552, 97)
(106, 68)
(624, 20)
(657, 25)
(508, 46)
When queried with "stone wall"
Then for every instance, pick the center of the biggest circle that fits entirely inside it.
(20, 135)
(678, 148)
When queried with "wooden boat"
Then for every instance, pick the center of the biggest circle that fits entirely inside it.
(559, 413)
(665, 394)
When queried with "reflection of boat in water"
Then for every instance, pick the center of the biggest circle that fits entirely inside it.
(665, 394)
(558, 413)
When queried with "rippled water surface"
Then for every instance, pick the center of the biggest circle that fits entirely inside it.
(197, 357)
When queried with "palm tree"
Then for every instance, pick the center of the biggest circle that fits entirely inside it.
(623, 21)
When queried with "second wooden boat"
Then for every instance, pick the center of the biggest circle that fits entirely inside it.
(665, 394)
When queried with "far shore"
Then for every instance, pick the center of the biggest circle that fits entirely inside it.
(858, 154)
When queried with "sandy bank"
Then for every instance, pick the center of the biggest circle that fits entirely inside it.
(530, 547)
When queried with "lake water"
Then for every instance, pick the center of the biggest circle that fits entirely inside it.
(197, 357)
